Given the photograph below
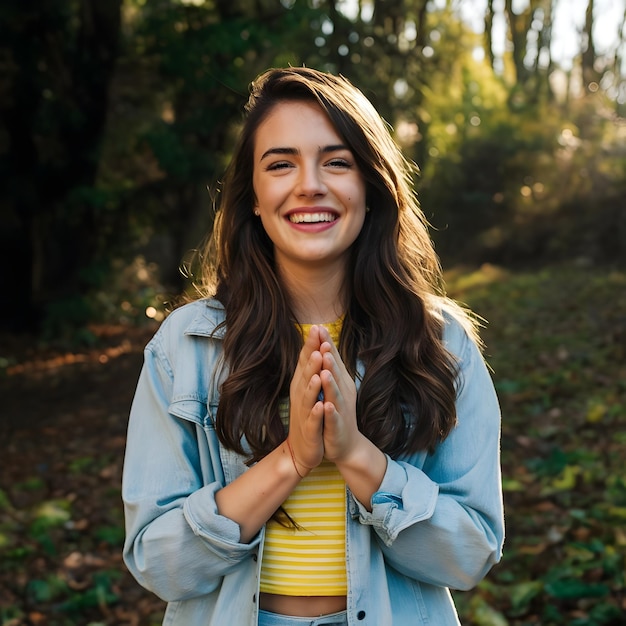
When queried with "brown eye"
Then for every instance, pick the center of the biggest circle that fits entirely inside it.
(339, 163)
(279, 166)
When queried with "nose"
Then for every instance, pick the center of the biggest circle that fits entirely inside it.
(310, 181)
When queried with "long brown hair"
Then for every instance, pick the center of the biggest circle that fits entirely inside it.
(393, 289)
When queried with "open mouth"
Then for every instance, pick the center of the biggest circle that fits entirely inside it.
(312, 218)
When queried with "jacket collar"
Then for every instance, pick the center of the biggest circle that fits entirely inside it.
(209, 319)
(209, 322)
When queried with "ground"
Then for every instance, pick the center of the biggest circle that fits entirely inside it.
(556, 342)
(63, 425)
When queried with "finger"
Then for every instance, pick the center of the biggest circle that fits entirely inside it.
(305, 388)
(327, 347)
(315, 421)
(307, 440)
(309, 361)
(336, 433)
(325, 338)
(314, 337)
(311, 344)
(338, 386)
(329, 386)
(314, 392)
(336, 367)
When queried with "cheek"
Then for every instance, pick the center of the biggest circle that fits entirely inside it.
(268, 195)
(358, 195)
(358, 201)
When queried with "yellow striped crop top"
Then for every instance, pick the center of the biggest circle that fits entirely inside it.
(309, 559)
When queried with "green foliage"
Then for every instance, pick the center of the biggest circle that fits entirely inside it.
(519, 189)
(45, 519)
(555, 340)
(11, 615)
(68, 317)
(5, 503)
(206, 60)
(511, 174)
(113, 535)
(51, 588)
(100, 594)
(56, 589)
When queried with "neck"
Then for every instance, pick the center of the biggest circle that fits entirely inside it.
(316, 293)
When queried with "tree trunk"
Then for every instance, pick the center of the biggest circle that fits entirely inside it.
(489, 14)
(588, 56)
(620, 83)
(55, 119)
(543, 87)
(519, 26)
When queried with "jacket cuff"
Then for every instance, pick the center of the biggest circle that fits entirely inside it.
(399, 503)
(221, 534)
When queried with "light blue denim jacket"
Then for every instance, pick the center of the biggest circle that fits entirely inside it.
(436, 522)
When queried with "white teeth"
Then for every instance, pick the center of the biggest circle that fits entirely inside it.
(310, 218)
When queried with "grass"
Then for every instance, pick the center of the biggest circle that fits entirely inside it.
(556, 340)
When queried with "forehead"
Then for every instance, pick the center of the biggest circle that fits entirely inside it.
(290, 123)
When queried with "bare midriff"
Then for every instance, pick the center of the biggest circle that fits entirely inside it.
(302, 606)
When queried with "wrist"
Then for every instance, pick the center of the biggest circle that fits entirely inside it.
(363, 470)
(301, 470)
(363, 457)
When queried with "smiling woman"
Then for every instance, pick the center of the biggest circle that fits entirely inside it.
(310, 196)
(316, 440)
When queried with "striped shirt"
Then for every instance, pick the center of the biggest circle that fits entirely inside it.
(306, 557)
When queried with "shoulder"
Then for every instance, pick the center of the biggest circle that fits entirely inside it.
(461, 340)
(184, 325)
(204, 318)
(184, 354)
(460, 335)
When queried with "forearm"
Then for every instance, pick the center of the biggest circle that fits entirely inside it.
(418, 520)
(469, 538)
(364, 470)
(252, 499)
(183, 552)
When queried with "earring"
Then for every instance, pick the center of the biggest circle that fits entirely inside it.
(367, 209)
(256, 212)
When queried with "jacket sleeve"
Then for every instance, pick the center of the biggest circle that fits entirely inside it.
(443, 523)
(177, 545)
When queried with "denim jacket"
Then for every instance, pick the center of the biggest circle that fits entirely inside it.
(436, 522)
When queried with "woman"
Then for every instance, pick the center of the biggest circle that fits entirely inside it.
(317, 440)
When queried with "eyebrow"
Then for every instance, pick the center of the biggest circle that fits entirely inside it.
(295, 151)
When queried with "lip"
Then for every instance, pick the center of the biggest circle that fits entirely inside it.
(312, 227)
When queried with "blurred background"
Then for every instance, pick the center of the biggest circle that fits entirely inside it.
(117, 121)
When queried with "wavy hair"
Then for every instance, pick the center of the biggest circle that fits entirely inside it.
(393, 289)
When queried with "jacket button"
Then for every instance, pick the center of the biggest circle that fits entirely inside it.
(360, 615)
(254, 599)
(255, 558)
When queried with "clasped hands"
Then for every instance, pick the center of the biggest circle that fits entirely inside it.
(321, 429)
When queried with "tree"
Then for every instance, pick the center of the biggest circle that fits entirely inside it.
(588, 55)
(60, 57)
(200, 59)
(67, 211)
(519, 26)
(117, 116)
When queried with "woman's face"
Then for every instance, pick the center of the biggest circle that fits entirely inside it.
(310, 194)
